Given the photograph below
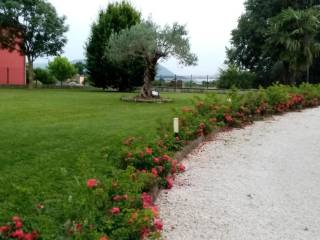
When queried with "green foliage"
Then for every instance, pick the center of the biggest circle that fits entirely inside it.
(102, 72)
(248, 39)
(35, 26)
(114, 202)
(233, 76)
(149, 42)
(65, 138)
(292, 39)
(61, 69)
(44, 76)
(80, 68)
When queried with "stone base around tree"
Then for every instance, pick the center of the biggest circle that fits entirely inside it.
(145, 100)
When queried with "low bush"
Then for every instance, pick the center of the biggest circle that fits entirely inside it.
(44, 76)
(234, 77)
(119, 206)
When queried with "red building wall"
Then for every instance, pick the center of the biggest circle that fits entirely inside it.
(12, 68)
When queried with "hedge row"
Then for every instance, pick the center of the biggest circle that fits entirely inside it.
(118, 206)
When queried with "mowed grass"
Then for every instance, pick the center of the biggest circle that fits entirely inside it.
(53, 140)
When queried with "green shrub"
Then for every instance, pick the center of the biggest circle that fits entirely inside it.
(233, 76)
(117, 206)
(44, 76)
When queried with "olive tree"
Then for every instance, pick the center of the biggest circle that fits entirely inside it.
(151, 43)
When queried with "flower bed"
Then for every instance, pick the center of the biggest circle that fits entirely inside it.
(120, 205)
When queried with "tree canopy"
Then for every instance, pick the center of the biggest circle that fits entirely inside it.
(291, 37)
(32, 27)
(101, 70)
(151, 43)
(62, 69)
(247, 49)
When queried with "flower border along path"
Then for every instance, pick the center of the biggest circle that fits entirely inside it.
(120, 206)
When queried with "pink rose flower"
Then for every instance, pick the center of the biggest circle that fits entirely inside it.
(115, 211)
(158, 224)
(92, 183)
(169, 182)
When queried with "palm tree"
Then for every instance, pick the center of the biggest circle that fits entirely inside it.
(292, 38)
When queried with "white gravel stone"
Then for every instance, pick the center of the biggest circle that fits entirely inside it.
(257, 183)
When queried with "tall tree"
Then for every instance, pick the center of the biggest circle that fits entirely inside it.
(247, 49)
(32, 27)
(102, 72)
(151, 43)
(62, 69)
(292, 38)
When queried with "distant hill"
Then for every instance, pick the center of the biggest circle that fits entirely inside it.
(163, 71)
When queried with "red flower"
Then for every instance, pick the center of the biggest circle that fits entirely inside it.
(28, 236)
(154, 172)
(146, 200)
(17, 221)
(79, 227)
(155, 211)
(158, 224)
(181, 168)
(104, 238)
(115, 211)
(145, 233)
(18, 234)
(18, 224)
(169, 182)
(92, 183)
(166, 158)
(4, 229)
(228, 118)
(174, 166)
(149, 151)
(156, 160)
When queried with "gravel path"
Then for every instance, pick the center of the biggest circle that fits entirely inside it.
(261, 182)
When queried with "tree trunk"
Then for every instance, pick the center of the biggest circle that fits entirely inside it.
(308, 74)
(30, 74)
(149, 76)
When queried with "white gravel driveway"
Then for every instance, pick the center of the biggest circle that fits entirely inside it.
(260, 182)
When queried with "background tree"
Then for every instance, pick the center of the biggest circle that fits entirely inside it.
(101, 70)
(80, 67)
(44, 76)
(235, 77)
(151, 43)
(62, 69)
(32, 27)
(292, 38)
(247, 49)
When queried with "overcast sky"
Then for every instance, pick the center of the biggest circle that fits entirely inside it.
(209, 24)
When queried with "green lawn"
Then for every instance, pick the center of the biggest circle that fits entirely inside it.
(53, 140)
